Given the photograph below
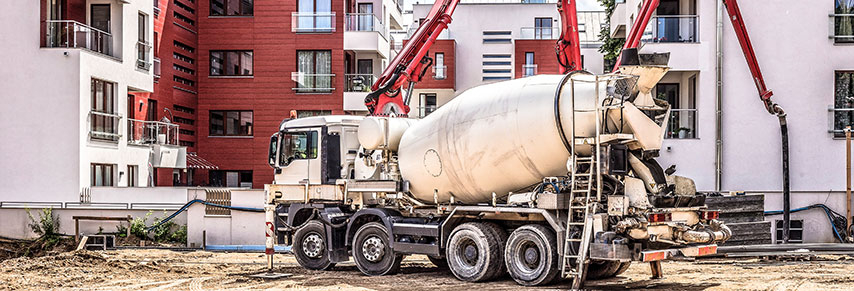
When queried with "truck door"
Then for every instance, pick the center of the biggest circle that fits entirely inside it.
(298, 157)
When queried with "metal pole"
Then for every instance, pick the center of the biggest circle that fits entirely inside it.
(848, 175)
(719, 99)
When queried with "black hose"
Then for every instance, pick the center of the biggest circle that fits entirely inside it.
(784, 130)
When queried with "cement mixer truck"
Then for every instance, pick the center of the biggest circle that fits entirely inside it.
(539, 179)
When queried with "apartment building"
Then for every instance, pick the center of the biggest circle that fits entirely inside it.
(808, 66)
(477, 48)
(77, 75)
(256, 62)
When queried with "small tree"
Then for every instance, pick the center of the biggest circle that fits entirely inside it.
(610, 46)
(46, 226)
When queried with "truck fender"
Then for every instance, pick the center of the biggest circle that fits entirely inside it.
(366, 215)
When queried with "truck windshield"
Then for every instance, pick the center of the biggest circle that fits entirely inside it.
(297, 146)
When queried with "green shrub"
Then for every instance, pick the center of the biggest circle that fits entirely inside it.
(180, 235)
(121, 230)
(137, 226)
(46, 225)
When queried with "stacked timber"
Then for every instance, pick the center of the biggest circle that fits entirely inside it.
(744, 215)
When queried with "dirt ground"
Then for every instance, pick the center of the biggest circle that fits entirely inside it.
(199, 270)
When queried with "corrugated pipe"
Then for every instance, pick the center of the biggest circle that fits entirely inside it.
(183, 208)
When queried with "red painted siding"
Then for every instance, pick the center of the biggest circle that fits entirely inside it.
(448, 47)
(544, 55)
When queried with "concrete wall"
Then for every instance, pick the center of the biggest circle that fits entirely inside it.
(239, 228)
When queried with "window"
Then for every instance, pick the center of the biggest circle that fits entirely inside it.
(683, 120)
(529, 69)
(428, 104)
(231, 7)
(231, 63)
(102, 174)
(310, 113)
(314, 71)
(843, 112)
(543, 28)
(151, 114)
(843, 21)
(439, 67)
(314, 16)
(231, 123)
(133, 175)
(103, 118)
(297, 146)
(99, 17)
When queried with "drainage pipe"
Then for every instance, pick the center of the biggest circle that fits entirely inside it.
(719, 55)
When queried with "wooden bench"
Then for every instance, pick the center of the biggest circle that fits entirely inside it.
(77, 220)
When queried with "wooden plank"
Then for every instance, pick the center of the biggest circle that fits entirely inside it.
(734, 199)
(128, 218)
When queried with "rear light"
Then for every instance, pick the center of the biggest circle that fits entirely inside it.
(659, 217)
(709, 215)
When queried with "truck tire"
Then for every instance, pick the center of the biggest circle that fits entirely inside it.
(602, 269)
(501, 235)
(309, 246)
(474, 253)
(372, 252)
(623, 268)
(531, 255)
(442, 263)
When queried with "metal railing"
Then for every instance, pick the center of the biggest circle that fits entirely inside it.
(440, 72)
(539, 33)
(322, 22)
(445, 34)
(156, 8)
(313, 83)
(529, 70)
(839, 119)
(682, 124)
(364, 22)
(104, 125)
(156, 67)
(842, 28)
(358, 82)
(141, 132)
(143, 55)
(73, 34)
(423, 111)
(672, 28)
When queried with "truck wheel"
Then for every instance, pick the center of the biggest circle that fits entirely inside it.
(439, 262)
(310, 247)
(531, 255)
(372, 252)
(474, 253)
(602, 269)
(623, 268)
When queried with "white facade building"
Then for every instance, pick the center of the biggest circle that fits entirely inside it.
(805, 65)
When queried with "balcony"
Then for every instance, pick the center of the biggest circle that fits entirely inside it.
(842, 28)
(672, 29)
(364, 22)
(539, 33)
(143, 55)
(73, 34)
(323, 22)
(440, 72)
(682, 124)
(529, 70)
(364, 32)
(313, 83)
(356, 88)
(423, 111)
(618, 20)
(141, 132)
(104, 126)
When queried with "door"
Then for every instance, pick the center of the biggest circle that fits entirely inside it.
(439, 66)
(299, 156)
(529, 68)
(365, 71)
(100, 17)
(366, 17)
(668, 27)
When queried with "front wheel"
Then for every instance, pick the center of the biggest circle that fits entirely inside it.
(310, 247)
(372, 252)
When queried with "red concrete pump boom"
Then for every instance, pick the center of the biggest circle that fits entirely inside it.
(410, 65)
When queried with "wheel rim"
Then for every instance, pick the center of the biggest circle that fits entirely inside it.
(528, 258)
(312, 245)
(373, 249)
(468, 252)
(531, 255)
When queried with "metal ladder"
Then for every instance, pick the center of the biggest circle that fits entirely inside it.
(581, 197)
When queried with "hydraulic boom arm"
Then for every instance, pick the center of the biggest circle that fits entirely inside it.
(410, 65)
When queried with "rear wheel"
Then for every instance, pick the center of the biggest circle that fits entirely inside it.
(602, 269)
(623, 268)
(474, 252)
(310, 247)
(372, 252)
(531, 255)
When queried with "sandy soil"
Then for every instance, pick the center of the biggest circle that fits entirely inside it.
(168, 270)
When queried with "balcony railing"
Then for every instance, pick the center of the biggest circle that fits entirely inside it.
(156, 67)
(440, 72)
(313, 83)
(445, 34)
(143, 55)
(539, 33)
(529, 70)
(322, 22)
(364, 22)
(104, 125)
(675, 28)
(358, 82)
(141, 132)
(842, 28)
(682, 124)
(156, 8)
(423, 111)
(839, 119)
(73, 34)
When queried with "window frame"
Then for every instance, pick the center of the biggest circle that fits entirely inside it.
(225, 58)
(133, 175)
(311, 147)
(109, 103)
(225, 9)
(225, 123)
(313, 88)
(111, 168)
(837, 132)
(440, 67)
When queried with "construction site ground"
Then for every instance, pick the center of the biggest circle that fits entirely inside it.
(152, 269)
